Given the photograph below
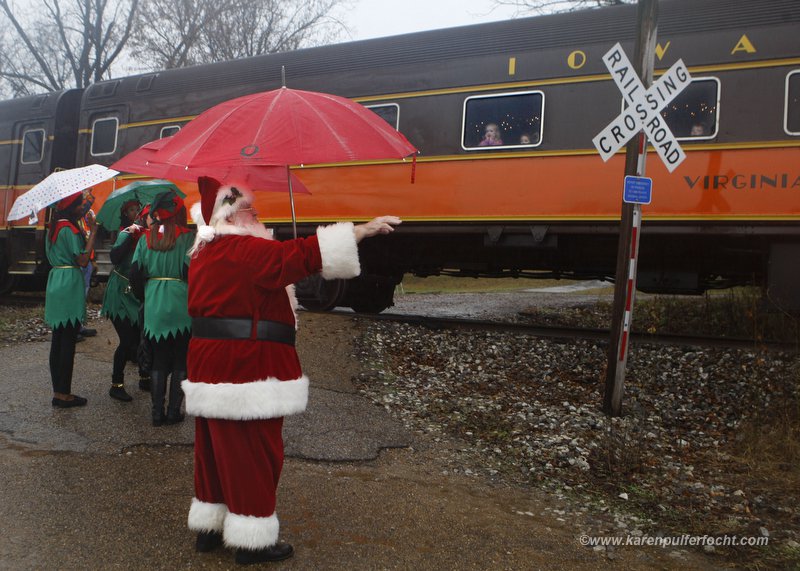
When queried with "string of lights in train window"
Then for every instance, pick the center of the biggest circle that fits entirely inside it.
(693, 115)
(512, 120)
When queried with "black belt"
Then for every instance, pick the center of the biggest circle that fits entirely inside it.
(234, 328)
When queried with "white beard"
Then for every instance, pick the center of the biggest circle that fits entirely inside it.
(255, 229)
(243, 228)
(206, 234)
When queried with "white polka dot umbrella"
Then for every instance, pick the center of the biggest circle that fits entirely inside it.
(58, 185)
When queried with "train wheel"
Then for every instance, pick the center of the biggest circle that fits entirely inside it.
(317, 294)
(371, 294)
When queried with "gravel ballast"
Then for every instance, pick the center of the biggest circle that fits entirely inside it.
(528, 410)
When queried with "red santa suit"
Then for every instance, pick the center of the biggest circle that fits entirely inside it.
(244, 374)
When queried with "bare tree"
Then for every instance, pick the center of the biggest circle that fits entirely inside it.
(550, 6)
(173, 30)
(62, 43)
(204, 31)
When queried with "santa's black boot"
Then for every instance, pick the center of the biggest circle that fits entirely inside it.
(277, 552)
(158, 388)
(174, 414)
(208, 541)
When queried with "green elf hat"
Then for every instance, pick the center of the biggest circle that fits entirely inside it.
(165, 205)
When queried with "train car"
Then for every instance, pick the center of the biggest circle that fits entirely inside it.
(536, 201)
(38, 135)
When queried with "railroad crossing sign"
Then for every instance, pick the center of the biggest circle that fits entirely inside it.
(644, 109)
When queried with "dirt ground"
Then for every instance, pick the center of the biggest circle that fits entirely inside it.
(119, 499)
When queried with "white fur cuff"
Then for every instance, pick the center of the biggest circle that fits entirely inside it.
(250, 532)
(337, 245)
(268, 398)
(206, 517)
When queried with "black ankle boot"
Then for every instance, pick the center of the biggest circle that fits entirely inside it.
(174, 414)
(277, 552)
(117, 391)
(144, 383)
(158, 388)
(208, 541)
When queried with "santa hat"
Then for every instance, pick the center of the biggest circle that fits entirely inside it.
(67, 202)
(218, 203)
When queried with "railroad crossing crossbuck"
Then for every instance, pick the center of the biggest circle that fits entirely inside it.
(644, 109)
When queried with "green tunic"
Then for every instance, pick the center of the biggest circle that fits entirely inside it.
(166, 295)
(65, 301)
(119, 301)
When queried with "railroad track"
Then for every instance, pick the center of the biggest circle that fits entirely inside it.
(570, 333)
(30, 299)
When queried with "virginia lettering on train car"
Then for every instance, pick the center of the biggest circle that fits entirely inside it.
(744, 181)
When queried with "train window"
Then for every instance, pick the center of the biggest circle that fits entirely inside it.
(32, 146)
(168, 131)
(503, 121)
(694, 113)
(104, 136)
(792, 119)
(389, 113)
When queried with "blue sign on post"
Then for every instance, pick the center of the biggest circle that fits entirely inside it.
(638, 190)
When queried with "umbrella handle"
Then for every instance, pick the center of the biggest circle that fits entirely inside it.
(291, 202)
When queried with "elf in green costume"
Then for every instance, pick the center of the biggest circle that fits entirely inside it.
(67, 250)
(119, 303)
(158, 274)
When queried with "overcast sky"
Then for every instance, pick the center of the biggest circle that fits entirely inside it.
(377, 18)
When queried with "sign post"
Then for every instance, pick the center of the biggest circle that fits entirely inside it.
(642, 116)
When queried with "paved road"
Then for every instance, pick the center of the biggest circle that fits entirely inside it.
(99, 488)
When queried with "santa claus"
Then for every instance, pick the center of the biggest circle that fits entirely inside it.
(244, 374)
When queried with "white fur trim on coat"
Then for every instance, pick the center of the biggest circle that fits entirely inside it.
(268, 398)
(204, 516)
(337, 245)
(250, 532)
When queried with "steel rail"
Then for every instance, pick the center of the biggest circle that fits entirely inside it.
(571, 333)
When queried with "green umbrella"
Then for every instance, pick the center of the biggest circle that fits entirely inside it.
(142, 190)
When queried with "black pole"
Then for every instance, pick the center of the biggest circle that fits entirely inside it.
(647, 16)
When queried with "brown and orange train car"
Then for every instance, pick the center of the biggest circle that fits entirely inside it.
(540, 202)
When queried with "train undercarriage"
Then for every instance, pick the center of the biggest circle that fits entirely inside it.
(683, 259)
(673, 259)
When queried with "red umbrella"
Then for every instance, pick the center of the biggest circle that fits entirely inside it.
(284, 127)
(280, 128)
(270, 178)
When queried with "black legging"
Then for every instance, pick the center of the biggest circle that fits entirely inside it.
(62, 357)
(128, 334)
(170, 354)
